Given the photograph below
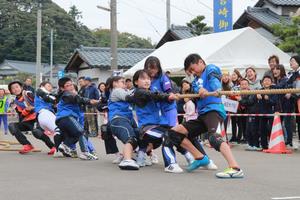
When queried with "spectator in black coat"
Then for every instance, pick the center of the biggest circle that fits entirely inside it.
(285, 103)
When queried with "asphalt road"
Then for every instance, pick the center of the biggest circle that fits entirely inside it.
(37, 176)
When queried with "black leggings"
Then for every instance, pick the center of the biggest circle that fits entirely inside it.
(16, 129)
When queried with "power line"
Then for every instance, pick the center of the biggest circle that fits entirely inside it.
(205, 5)
(184, 11)
(142, 13)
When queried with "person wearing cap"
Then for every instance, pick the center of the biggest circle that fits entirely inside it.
(91, 92)
(24, 102)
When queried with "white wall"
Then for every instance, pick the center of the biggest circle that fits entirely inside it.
(96, 74)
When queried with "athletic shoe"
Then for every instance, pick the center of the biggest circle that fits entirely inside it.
(118, 159)
(94, 155)
(154, 158)
(189, 157)
(86, 156)
(173, 168)
(65, 150)
(58, 154)
(258, 148)
(128, 165)
(198, 163)
(250, 148)
(210, 166)
(231, 173)
(26, 149)
(141, 159)
(52, 151)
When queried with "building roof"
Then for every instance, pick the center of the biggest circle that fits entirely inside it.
(11, 67)
(100, 57)
(279, 2)
(264, 16)
(175, 33)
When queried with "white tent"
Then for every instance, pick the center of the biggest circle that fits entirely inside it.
(232, 49)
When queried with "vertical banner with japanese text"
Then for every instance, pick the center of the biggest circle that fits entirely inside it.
(222, 15)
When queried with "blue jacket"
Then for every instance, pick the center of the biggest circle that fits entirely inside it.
(91, 92)
(40, 104)
(44, 100)
(146, 106)
(69, 105)
(211, 81)
(163, 84)
(119, 109)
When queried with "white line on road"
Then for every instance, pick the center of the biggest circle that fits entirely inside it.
(278, 198)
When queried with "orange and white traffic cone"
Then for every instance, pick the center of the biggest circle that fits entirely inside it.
(276, 144)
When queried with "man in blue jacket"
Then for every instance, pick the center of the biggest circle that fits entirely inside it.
(91, 92)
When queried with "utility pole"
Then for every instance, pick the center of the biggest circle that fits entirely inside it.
(114, 35)
(51, 56)
(168, 14)
(39, 46)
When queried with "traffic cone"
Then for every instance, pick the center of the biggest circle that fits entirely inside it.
(276, 144)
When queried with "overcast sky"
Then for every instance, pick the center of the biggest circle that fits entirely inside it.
(147, 18)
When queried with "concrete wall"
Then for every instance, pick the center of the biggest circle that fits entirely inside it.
(96, 74)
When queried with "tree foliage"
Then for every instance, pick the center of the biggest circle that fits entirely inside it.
(18, 28)
(18, 31)
(75, 13)
(198, 27)
(125, 40)
(289, 34)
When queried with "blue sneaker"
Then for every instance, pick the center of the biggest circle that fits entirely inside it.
(198, 163)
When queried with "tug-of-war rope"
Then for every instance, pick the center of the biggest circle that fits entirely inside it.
(242, 92)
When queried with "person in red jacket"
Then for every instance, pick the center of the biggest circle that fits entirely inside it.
(24, 102)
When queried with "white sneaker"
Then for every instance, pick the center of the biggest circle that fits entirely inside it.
(210, 166)
(296, 145)
(154, 158)
(118, 159)
(58, 154)
(173, 168)
(86, 156)
(141, 159)
(230, 173)
(148, 161)
(128, 165)
(94, 156)
(189, 157)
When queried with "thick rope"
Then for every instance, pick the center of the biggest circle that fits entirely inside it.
(242, 92)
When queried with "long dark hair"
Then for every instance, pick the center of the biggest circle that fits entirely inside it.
(282, 72)
(151, 62)
(237, 82)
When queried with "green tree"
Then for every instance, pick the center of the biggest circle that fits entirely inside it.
(18, 31)
(125, 40)
(289, 34)
(75, 13)
(198, 27)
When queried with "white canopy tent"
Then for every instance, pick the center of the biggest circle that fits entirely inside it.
(237, 49)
